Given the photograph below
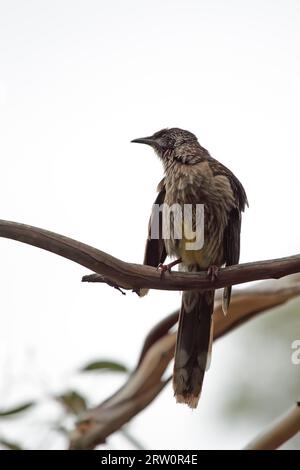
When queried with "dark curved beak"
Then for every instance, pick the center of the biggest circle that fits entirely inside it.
(144, 140)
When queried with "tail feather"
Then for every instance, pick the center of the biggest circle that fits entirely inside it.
(143, 292)
(226, 299)
(211, 337)
(193, 347)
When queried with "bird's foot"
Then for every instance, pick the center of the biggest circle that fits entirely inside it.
(167, 267)
(213, 272)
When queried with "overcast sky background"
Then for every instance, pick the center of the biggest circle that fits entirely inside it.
(78, 81)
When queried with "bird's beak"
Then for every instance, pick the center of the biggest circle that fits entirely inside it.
(144, 140)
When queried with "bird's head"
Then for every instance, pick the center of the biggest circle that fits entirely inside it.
(164, 142)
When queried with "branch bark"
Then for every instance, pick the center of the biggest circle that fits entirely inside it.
(278, 432)
(147, 380)
(135, 276)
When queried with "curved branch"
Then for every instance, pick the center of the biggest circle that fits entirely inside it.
(147, 380)
(278, 432)
(135, 276)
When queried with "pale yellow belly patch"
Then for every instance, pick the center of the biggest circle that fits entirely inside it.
(193, 256)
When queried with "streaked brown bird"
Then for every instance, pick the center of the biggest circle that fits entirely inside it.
(193, 177)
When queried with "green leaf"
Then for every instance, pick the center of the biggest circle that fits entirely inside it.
(18, 409)
(73, 402)
(9, 445)
(104, 366)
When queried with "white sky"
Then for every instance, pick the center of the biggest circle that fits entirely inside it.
(78, 81)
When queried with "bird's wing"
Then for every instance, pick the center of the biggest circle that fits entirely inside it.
(155, 250)
(231, 241)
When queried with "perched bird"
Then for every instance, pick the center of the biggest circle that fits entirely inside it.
(191, 177)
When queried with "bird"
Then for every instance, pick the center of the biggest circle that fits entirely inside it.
(191, 177)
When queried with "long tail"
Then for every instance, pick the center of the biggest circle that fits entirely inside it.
(193, 346)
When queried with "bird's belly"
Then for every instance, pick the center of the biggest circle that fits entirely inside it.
(200, 242)
(192, 257)
(178, 249)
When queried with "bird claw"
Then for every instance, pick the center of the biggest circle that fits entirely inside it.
(167, 267)
(163, 268)
(213, 272)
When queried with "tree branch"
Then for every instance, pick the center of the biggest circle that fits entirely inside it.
(135, 276)
(147, 380)
(278, 432)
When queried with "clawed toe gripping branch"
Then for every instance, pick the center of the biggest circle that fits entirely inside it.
(147, 380)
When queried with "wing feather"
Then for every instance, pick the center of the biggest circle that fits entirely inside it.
(231, 241)
(155, 250)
